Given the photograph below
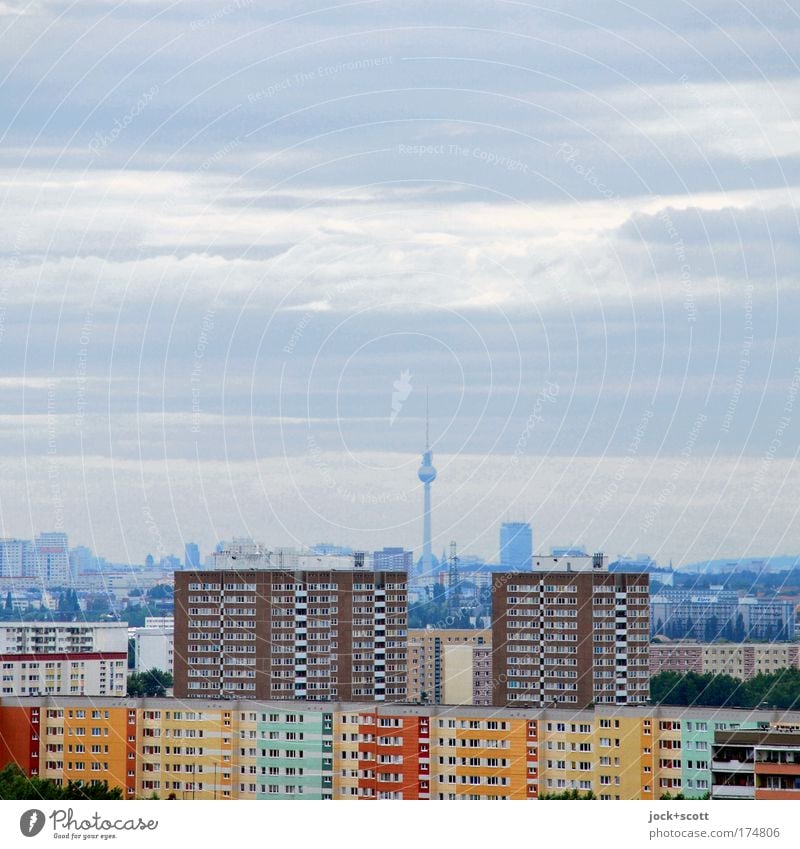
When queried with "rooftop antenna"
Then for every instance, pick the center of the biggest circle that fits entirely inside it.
(452, 576)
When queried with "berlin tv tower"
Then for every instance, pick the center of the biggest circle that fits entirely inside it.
(427, 474)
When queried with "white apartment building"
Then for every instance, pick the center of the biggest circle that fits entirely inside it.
(155, 649)
(63, 658)
(19, 638)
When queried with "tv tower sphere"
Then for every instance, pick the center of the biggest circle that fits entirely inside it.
(427, 472)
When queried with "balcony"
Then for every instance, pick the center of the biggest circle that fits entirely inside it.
(724, 791)
(732, 766)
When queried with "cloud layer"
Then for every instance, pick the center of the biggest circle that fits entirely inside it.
(230, 229)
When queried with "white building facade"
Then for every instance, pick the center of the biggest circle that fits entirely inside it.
(63, 658)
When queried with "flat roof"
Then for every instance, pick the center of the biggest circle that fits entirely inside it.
(559, 714)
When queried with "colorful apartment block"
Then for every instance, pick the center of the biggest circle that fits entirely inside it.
(242, 749)
(82, 741)
(479, 755)
(761, 764)
(294, 754)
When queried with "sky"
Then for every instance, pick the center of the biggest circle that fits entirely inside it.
(241, 241)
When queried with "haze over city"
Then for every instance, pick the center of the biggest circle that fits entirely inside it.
(230, 239)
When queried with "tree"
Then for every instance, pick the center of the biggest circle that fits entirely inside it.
(98, 604)
(568, 794)
(14, 784)
(136, 614)
(153, 683)
(9, 602)
(779, 689)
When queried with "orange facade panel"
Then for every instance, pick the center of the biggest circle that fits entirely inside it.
(19, 738)
(765, 768)
(764, 793)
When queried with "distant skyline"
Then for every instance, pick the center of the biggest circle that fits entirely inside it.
(239, 245)
(210, 546)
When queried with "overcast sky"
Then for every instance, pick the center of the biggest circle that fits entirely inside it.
(231, 227)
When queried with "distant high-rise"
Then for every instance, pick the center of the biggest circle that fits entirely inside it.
(392, 559)
(16, 558)
(327, 548)
(191, 556)
(80, 561)
(427, 474)
(170, 563)
(52, 557)
(516, 546)
(568, 551)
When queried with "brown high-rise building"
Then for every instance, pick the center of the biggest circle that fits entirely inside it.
(570, 633)
(272, 633)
